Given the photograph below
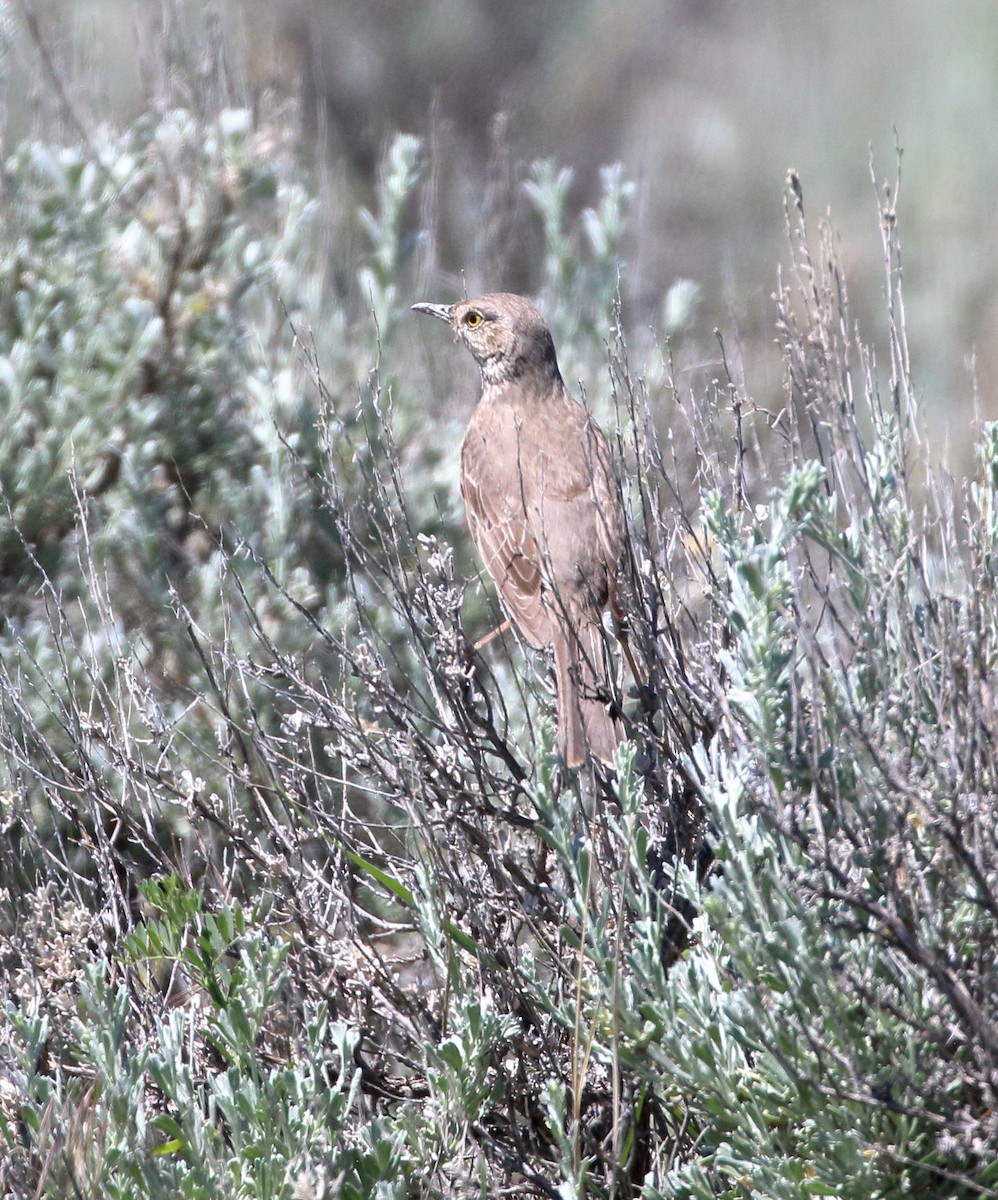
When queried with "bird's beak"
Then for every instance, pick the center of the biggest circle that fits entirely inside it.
(443, 311)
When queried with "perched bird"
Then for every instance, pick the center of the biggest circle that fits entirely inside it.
(543, 508)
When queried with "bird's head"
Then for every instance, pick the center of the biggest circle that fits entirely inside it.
(507, 336)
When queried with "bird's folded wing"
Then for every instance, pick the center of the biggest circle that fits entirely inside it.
(509, 552)
(568, 477)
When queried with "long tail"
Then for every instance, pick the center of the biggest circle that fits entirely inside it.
(585, 726)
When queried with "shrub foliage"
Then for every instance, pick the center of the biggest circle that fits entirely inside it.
(296, 900)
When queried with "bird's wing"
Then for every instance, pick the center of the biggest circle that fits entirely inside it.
(505, 544)
(588, 476)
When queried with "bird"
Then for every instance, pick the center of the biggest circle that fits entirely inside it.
(543, 508)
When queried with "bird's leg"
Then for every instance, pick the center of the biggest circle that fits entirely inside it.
(643, 690)
(491, 637)
(625, 645)
(620, 622)
(471, 650)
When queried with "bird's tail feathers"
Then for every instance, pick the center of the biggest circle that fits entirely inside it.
(585, 724)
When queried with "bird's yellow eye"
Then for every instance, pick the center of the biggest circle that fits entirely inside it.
(473, 319)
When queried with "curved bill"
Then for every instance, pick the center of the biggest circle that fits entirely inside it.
(443, 311)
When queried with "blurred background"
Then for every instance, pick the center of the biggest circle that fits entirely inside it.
(705, 103)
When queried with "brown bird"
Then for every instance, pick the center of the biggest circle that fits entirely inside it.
(543, 508)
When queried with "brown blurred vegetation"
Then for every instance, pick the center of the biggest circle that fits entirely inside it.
(706, 103)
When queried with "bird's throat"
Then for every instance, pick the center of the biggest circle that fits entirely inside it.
(501, 369)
